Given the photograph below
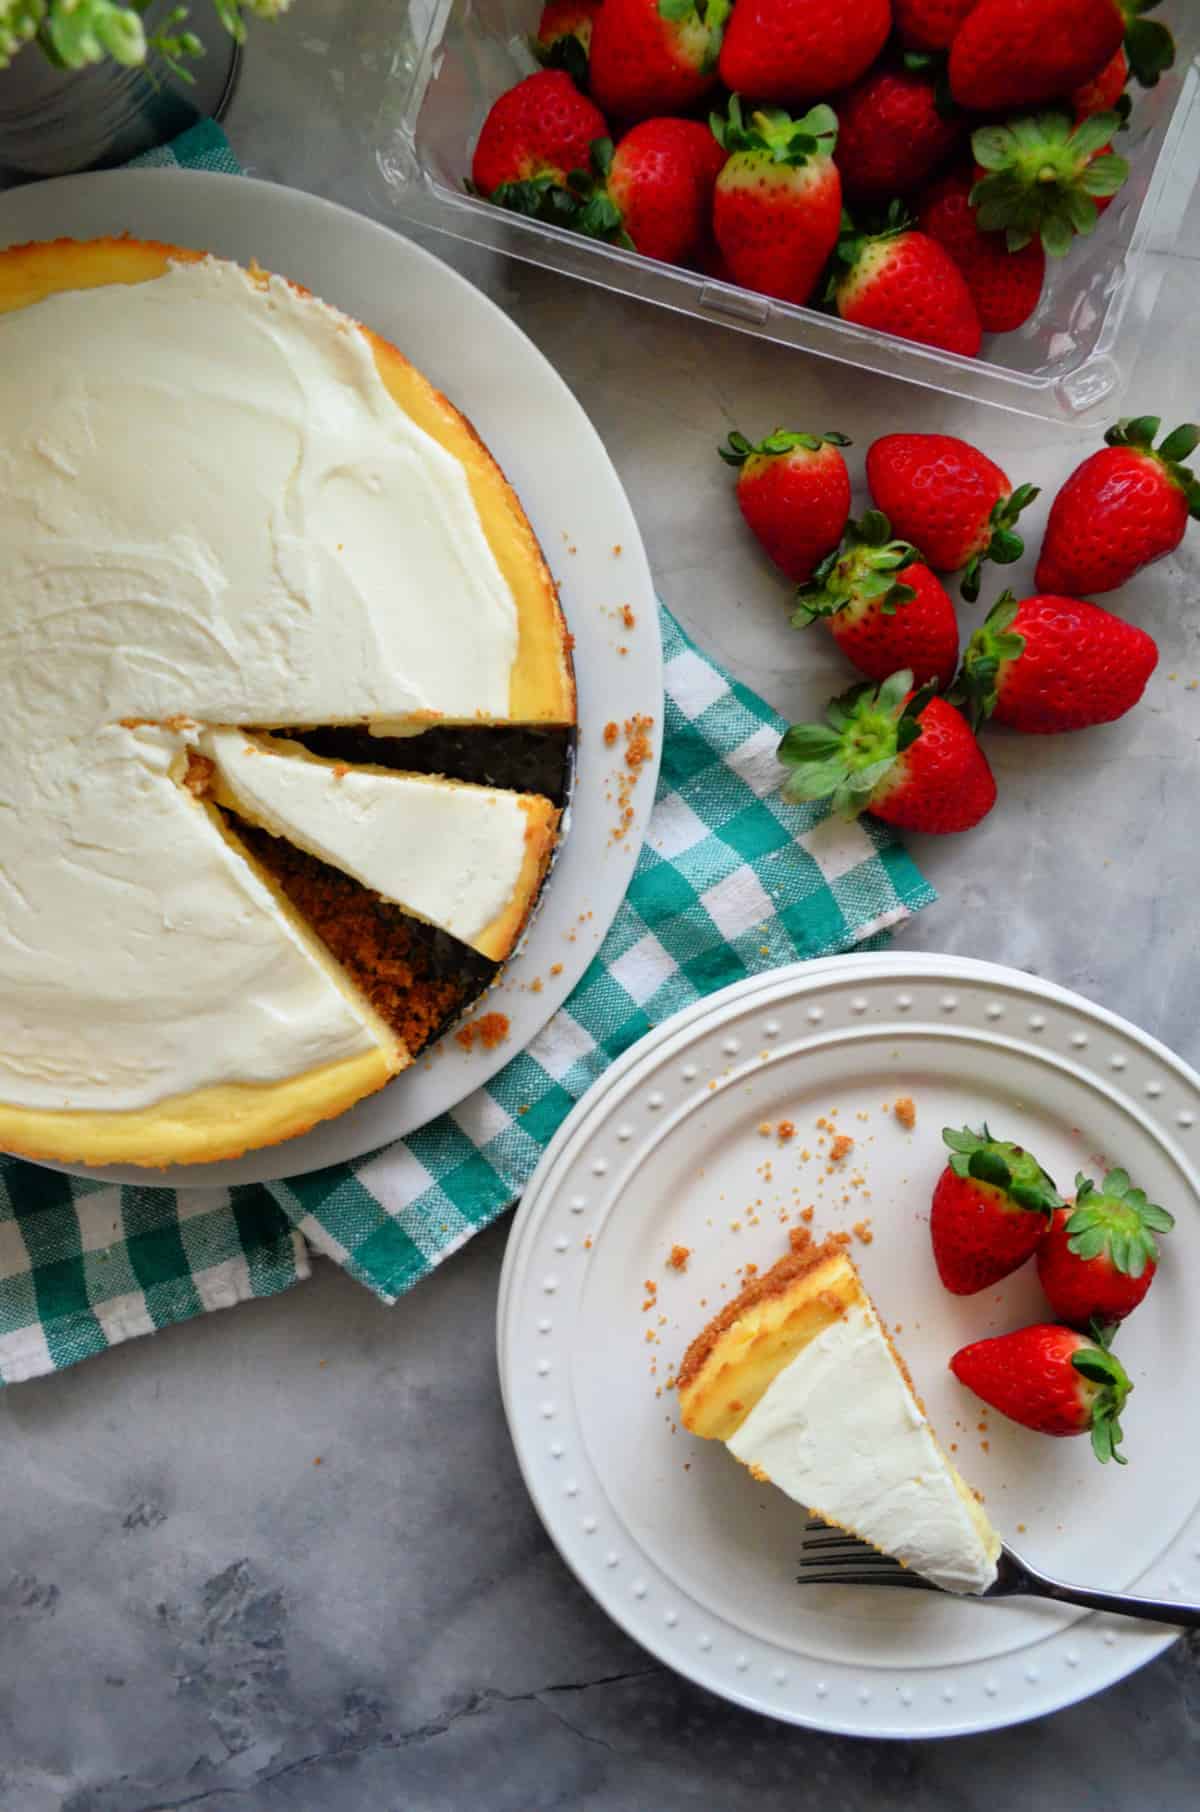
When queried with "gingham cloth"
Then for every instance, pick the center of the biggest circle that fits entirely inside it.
(731, 881)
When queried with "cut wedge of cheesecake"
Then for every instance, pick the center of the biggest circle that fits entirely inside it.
(468, 859)
(800, 1379)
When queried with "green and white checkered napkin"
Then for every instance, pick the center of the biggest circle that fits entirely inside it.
(731, 882)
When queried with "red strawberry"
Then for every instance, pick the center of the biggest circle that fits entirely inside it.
(902, 282)
(1005, 286)
(794, 52)
(660, 180)
(1123, 508)
(564, 36)
(1049, 664)
(1046, 178)
(884, 609)
(908, 757)
(794, 492)
(892, 134)
(991, 1210)
(653, 57)
(535, 135)
(1052, 1380)
(928, 24)
(777, 207)
(1102, 93)
(1017, 53)
(950, 499)
(1099, 1258)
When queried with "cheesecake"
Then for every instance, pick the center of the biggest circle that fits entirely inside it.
(232, 519)
(802, 1382)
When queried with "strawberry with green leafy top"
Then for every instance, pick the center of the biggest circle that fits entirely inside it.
(991, 1210)
(906, 756)
(536, 136)
(1099, 1258)
(654, 57)
(1049, 664)
(1123, 508)
(951, 500)
(902, 282)
(794, 492)
(1053, 1380)
(777, 208)
(1046, 178)
(882, 605)
(653, 193)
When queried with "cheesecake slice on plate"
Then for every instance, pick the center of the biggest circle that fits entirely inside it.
(800, 1379)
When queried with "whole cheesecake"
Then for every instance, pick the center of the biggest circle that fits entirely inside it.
(233, 521)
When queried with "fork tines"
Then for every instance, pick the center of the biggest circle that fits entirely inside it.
(831, 1557)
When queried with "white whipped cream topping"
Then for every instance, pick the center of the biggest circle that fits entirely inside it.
(840, 1431)
(449, 854)
(209, 507)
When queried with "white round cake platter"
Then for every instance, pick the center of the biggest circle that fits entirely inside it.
(679, 1145)
(577, 505)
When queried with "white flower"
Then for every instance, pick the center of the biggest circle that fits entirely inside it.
(268, 9)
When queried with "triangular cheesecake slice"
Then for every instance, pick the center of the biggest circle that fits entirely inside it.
(800, 1379)
(468, 859)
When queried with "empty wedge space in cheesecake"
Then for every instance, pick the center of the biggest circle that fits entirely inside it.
(799, 1378)
(468, 859)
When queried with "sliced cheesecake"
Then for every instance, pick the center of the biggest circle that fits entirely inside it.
(224, 503)
(800, 1379)
(468, 859)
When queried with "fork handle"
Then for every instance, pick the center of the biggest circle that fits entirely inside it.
(1153, 1610)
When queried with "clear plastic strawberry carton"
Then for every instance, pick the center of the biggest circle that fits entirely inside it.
(1074, 355)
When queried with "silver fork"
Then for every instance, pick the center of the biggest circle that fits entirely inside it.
(830, 1557)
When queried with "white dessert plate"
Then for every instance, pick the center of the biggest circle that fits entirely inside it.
(578, 507)
(689, 1554)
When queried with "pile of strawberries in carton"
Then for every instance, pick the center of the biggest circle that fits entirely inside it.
(905, 163)
(994, 1208)
(905, 747)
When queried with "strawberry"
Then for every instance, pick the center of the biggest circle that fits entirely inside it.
(892, 133)
(1018, 53)
(660, 182)
(778, 203)
(908, 757)
(928, 24)
(794, 492)
(991, 1210)
(1005, 286)
(1045, 178)
(654, 57)
(884, 609)
(1099, 1258)
(794, 52)
(950, 499)
(1049, 664)
(1052, 1380)
(1123, 508)
(902, 282)
(564, 37)
(533, 138)
(1104, 91)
